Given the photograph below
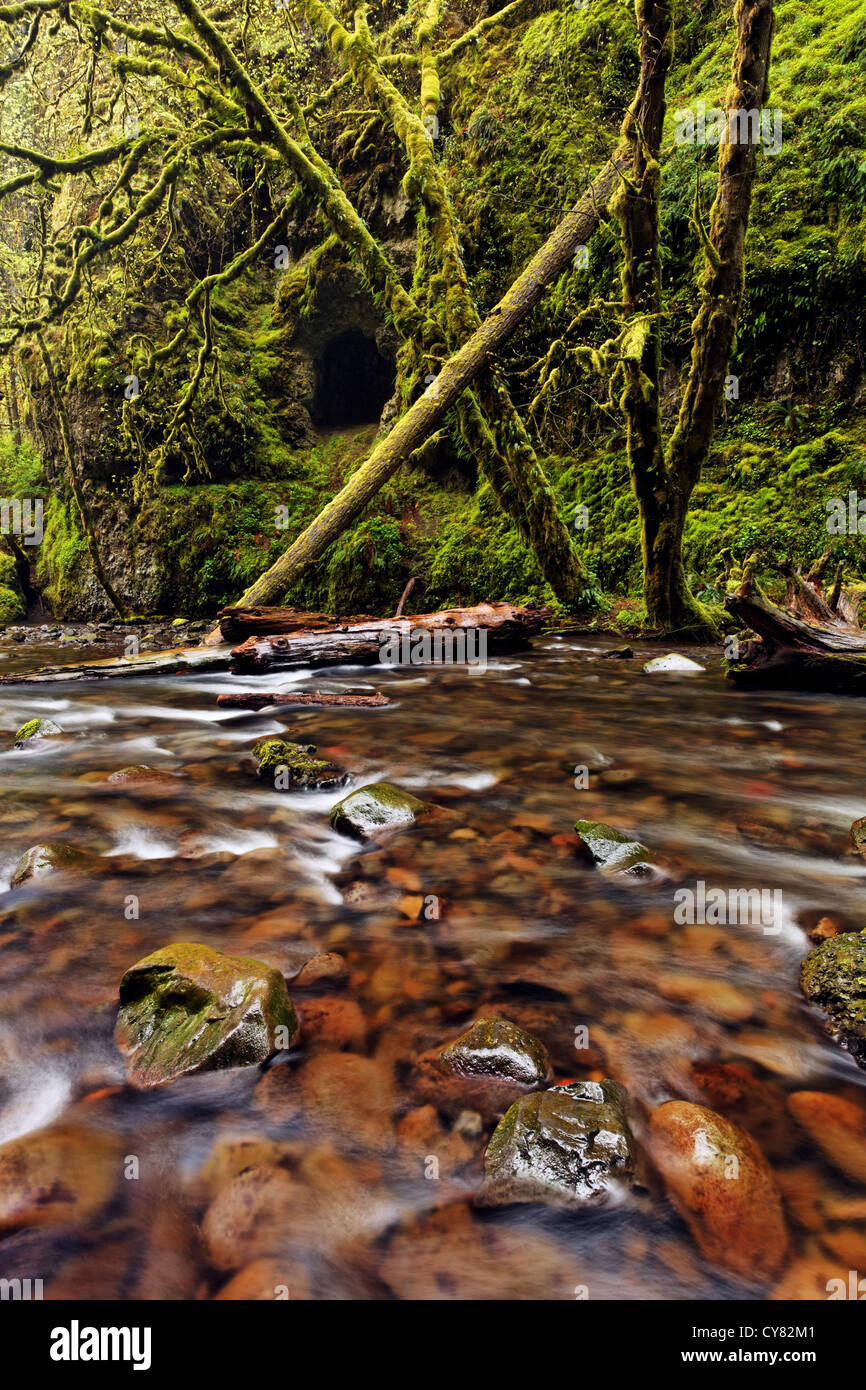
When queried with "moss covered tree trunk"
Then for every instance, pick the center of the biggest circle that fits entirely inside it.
(665, 477)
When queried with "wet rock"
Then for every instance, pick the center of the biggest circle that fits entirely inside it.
(48, 859)
(833, 977)
(715, 997)
(34, 731)
(858, 837)
(152, 781)
(672, 662)
(380, 808)
(721, 1184)
(57, 1177)
(495, 1048)
(617, 855)
(188, 1008)
(451, 1255)
(568, 1146)
(757, 1105)
(250, 1218)
(618, 654)
(837, 1126)
(335, 1023)
(350, 1098)
(292, 766)
(329, 968)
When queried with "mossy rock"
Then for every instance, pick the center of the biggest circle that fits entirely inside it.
(617, 855)
(291, 766)
(36, 729)
(380, 808)
(496, 1048)
(833, 977)
(569, 1146)
(40, 860)
(188, 1008)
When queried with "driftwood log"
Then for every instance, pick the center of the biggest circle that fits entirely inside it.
(176, 661)
(508, 629)
(237, 623)
(814, 643)
(248, 699)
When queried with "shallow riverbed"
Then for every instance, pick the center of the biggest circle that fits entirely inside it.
(738, 791)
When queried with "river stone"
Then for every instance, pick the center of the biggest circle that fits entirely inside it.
(837, 1126)
(188, 1008)
(618, 654)
(292, 765)
(833, 976)
(57, 1177)
(672, 662)
(568, 1146)
(858, 837)
(495, 1048)
(35, 730)
(48, 859)
(617, 855)
(733, 1208)
(376, 809)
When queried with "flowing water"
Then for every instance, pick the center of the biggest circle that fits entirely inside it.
(487, 911)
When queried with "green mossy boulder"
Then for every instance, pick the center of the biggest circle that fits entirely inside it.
(569, 1146)
(35, 730)
(380, 808)
(188, 1008)
(291, 766)
(40, 860)
(496, 1048)
(833, 977)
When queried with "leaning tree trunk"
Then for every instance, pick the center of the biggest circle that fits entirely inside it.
(422, 418)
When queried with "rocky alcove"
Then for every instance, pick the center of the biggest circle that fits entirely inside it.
(353, 380)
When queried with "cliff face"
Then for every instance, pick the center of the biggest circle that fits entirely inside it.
(307, 360)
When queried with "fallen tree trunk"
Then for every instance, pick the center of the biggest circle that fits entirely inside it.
(506, 628)
(824, 651)
(177, 661)
(251, 700)
(424, 416)
(237, 623)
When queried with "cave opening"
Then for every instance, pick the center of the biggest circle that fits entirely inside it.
(353, 381)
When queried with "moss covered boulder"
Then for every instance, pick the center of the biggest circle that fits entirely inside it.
(40, 860)
(569, 1146)
(188, 1008)
(617, 855)
(833, 977)
(376, 810)
(34, 731)
(293, 766)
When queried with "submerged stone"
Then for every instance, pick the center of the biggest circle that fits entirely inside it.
(189, 1008)
(672, 662)
(618, 654)
(833, 977)
(569, 1146)
(496, 1048)
(35, 730)
(376, 809)
(616, 854)
(292, 765)
(858, 837)
(48, 859)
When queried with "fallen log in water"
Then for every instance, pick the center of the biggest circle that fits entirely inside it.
(236, 624)
(177, 661)
(507, 629)
(814, 643)
(252, 700)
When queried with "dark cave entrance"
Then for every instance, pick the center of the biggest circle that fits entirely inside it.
(353, 381)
